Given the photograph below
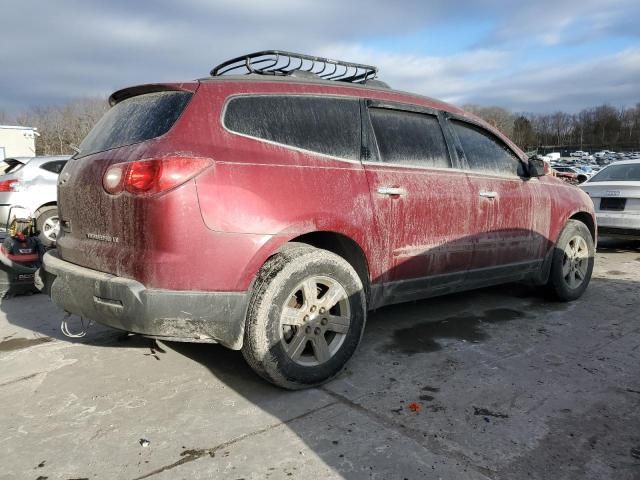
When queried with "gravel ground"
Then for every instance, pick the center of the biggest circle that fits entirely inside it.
(499, 383)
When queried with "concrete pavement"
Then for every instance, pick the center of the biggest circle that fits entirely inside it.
(499, 383)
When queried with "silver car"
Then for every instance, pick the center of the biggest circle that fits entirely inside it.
(615, 191)
(30, 184)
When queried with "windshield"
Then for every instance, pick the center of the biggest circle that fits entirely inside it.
(134, 120)
(629, 172)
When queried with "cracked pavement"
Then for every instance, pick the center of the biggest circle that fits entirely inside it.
(499, 383)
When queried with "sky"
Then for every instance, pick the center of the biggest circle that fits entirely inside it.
(527, 56)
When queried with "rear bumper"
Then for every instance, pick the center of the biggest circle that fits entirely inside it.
(630, 233)
(128, 305)
(618, 224)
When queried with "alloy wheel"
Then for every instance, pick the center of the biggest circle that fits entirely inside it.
(51, 228)
(315, 320)
(575, 262)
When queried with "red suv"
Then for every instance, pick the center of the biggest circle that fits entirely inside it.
(269, 212)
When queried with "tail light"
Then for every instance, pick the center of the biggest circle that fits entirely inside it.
(9, 185)
(148, 177)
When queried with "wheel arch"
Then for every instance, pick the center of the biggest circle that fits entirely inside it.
(587, 219)
(344, 247)
(43, 207)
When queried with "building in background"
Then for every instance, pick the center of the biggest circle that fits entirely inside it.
(17, 141)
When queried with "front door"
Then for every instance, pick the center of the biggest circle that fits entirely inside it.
(512, 210)
(420, 200)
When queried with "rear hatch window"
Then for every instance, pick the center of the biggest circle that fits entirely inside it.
(629, 172)
(10, 165)
(135, 120)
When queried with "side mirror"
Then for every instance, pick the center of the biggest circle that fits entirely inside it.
(538, 167)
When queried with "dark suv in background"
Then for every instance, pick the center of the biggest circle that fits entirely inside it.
(269, 212)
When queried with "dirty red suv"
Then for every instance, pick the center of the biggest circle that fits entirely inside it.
(269, 212)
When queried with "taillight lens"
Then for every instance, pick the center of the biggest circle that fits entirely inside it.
(9, 185)
(143, 177)
(147, 177)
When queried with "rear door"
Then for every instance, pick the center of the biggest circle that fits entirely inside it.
(512, 211)
(420, 201)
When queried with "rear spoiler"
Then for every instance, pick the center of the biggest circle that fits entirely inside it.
(129, 92)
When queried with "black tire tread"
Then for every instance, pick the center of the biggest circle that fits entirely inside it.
(272, 273)
(556, 285)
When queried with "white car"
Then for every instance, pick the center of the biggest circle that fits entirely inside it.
(580, 175)
(615, 192)
(578, 153)
(30, 184)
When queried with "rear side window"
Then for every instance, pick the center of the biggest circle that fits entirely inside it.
(135, 120)
(326, 125)
(54, 167)
(409, 138)
(484, 152)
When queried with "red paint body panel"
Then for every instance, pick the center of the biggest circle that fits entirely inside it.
(513, 226)
(214, 232)
(427, 229)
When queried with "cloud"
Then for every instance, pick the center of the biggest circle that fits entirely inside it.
(446, 78)
(552, 22)
(612, 79)
(53, 51)
(482, 77)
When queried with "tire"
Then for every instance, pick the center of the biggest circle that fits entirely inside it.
(46, 222)
(325, 330)
(572, 263)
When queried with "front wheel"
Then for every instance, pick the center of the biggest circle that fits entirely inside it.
(572, 262)
(306, 317)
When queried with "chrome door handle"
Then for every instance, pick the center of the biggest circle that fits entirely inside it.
(486, 194)
(391, 191)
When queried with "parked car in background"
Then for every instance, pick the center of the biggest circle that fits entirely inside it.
(31, 184)
(615, 192)
(578, 153)
(566, 177)
(585, 169)
(269, 212)
(580, 176)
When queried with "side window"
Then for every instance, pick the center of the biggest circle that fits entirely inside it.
(409, 138)
(484, 152)
(320, 124)
(54, 167)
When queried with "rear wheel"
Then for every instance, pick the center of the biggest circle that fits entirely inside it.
(572, 263)
(48, 224)
(305, 319)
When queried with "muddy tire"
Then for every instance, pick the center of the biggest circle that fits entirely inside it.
(572, 263)
(48, 225)
(305, 318)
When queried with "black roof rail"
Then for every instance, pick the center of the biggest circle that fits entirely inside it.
(278, 62)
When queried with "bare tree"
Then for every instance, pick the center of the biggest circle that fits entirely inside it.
(499, 117)
(63, 125)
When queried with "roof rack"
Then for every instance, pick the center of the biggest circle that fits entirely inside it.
(277, 62)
